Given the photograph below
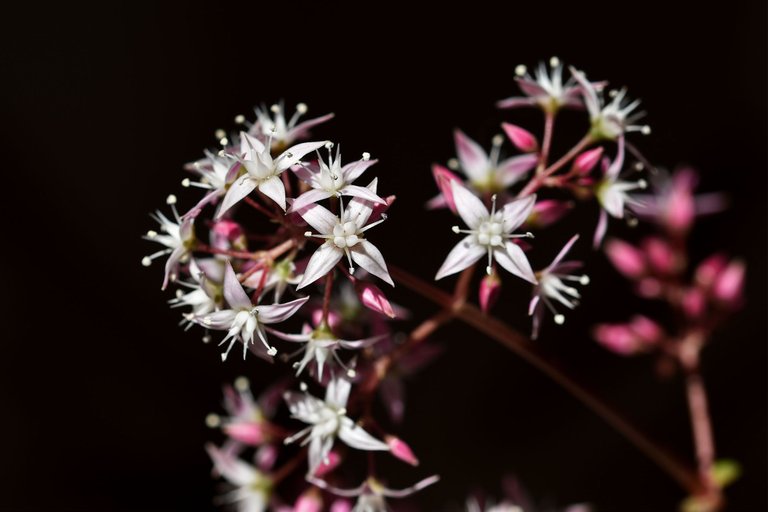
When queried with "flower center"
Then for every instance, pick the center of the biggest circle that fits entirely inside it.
(345, 235)
(489, 233)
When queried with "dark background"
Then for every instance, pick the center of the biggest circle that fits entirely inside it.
(103, 397)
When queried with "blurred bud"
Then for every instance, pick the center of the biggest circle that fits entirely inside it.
(309, 501)
(680, 204)
(250, 433)
(490, 288)
(659, 255)
(227, 234)
(649, 287)
(585, 162)
(443, 178)
(646, 330)
(547, 212)
(730, 283)
(627, 258)
(694, 302)
(379, 209)
(334, 318)
(341, 505)
(523, 140)
(373, 298)
(329, 464)
(709, 269)
(401, 450)
(266, 456)
(616, 338)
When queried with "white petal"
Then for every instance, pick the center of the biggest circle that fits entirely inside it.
(319, 218)
(309, 197)
(362, 193)
(218, 320)
(274, 189)
(321, 262)
(353, 170)
(612, 199)
(233, 291)
(370, 258)
(517, 211)
(249, 145)
(474, 160)
(239, 189)
(233, 469)
(564, 251)
(466, 253)
(356, 437)
(470, 207)
(515, 261)
(513, 169)
(359, 210)
(279, 312)
(613, 170)
(293, 155)
(602, 227)
(337, 392)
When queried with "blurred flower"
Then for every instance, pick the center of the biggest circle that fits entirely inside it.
(206, 294)
(639, 334)
(545, 89)
(252, 487)
(271, 126)
(371, 494)
(178, 237)
(217, 172)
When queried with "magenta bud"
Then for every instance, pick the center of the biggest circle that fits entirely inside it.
(646, 330)
(490, 288)
(443, 178)
(334, 318)
(616, 338)
(309, 501)
(709, 269)
(730, 283)
(585, 162)
(373, 298)
(660, 255)
(341, 505)
(627, 258)
(547, 212)
(694, 301)
(266, 457)
(249, 433)
(228, 229)
(681, 206)
(523, 140)
(330, 463)
(401, 450)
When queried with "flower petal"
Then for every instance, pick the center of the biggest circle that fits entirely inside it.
(301, 130)
(274, 189)
(466, 253)
(564, 251)
(321, 262)
(474, 160)
(515, 102)
(337, 393)
(279, 312)
(370, 258)
(602, 227)
(293, 155)
(319, 218)
(233, 290)
(353, 170)
(471, 209)
(515, 261)
(230, 467)
(516, 212)
(513, 169)
(218, 320)
(310, 196)
(362, 193)
(359, 210)
(237, 191)
(356, 437)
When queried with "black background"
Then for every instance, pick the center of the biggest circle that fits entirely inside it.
(102, 396)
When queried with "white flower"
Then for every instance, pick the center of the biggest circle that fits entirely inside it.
(545, 89)
(485, 172)
(371, 494)
(178, 237)
(344, 235)
(611, 120)
(490, 234)
(245, 320)
(205, 295)
(280, 132)
(331, 179)
(328, 420)
(216, 173)
(279, 276)
(253, 487)
(262, 171)
(552, 287)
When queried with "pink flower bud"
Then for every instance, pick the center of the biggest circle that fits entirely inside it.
(334, 318)
(329, 464)
(226, 234)
(660, 255)
(309, 501)
(730, 283)
(379, 209)
(547, 212)
(401, 450)
(341, 505)
(373, 298)
(585, 162)
(443, 178)
(266, 457)
(694, 302)
(490, 288)
(626, 258)
(681, 206)
(250, 433)
(709, 269)
(523, 140)
(616, 338)
(649, 287)
(647, 330)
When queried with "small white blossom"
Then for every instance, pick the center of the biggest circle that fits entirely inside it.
(217, 172)
(245, 321)
(344, 235)
(252, 487)
(178, 237)
(489, 234)
(371, 494)
(272, 126)
(205, 292)
(328, 420)
(545, 89)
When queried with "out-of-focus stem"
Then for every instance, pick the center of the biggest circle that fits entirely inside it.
(546, 144)
(520, 344)
(327, 296)
(539, 179)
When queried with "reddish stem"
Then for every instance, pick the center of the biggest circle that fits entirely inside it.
(327, 296)
(538, 180)
(259, 207)
(549, 123)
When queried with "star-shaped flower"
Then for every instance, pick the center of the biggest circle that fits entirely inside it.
(252, 486)
(244, 320)
(272, 126)
(178, 237)
(489, 233)
(545, 89)
(263, 171)
(205, 292)
(344, 235)
(328, 420)
(371, 494)
(217, 172)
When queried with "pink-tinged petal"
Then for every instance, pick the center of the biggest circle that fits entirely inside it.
(730, 284)
(516, 212)
(547, 212)
(301, 130)
(627, 259)
(602, 227)
(250, 144)
(370, 258)
(319, 218)
(490, 288)
(513, 169)
(536, 310)
(515, 261)
(471, 209)
(356, 437)
(172, 265)
(564, 251)
(530, 87)
(307, 198)
(309, 501)
(463, 255)
(615, 168)
(437, 203)
(586, 161)
(362, 193)
(250, 433)
(274, 189)
(681, 210)
(474, 160)
(294, 154)
(379, 209)
(233, 172)
(333, 459)
(295, 338)
(237, 191)
(306, 172)
(353, 170)
(613, 201)
(523, 140)
(660, 255)
(707, 204)
(403, 493)
(360, 209)
(218, 320)
(373, 298)
(230, 467)
(266, 456)
(515, 102)
(587, 89)
(209, 198)
(280, 312)
(233, 290)
(401, 450)
(322, 261)
(443, 178)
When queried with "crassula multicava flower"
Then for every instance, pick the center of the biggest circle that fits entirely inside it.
(178, 237)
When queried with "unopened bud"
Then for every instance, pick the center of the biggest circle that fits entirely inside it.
(373, 298)
(627, 259)
(523, 140)
(586, 161)
(730, 283)
(401, 450)
(490, 289)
